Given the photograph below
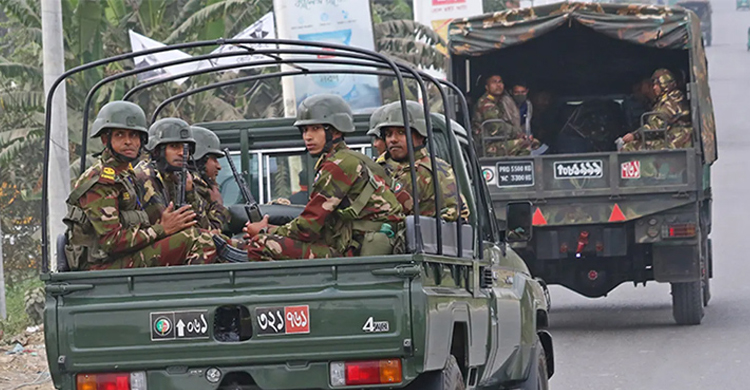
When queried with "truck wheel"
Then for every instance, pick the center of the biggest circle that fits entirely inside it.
(708, 273)
(450, 378)
(538, 379)
(687, 303)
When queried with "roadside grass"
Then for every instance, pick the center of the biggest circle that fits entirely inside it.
(17, 320)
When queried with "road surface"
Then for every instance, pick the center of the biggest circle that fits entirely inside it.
(629, 340)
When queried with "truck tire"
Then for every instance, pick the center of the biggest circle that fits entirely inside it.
(708, 272)
(450, 378)
(687, 303)
(538, 378)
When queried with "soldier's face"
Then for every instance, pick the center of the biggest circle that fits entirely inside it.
(379, 145)
(212, 167)
(495, 85)
(395, 138)
(125, 142)
(657, 88)
(173, 153)
(315, 138)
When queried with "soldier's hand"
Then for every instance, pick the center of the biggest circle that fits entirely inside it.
(175, 221)
(629, 137)
(252, 229)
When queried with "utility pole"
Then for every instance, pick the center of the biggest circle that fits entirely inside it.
(3, 310)
(59, 162)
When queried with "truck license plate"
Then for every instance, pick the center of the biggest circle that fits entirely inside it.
(515, 174)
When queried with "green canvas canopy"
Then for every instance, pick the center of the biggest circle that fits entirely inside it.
(616, 30)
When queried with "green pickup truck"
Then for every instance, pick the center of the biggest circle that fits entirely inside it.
(602, 217)
(459, 310)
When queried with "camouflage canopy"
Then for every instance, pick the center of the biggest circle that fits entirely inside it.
(661, 27)
(585, 49)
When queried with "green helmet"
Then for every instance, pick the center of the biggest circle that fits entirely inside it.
(665, 79)
(375, 119)
(119, 115)
(391, 116)
(326, 109)
(206, 142)
(169, 130)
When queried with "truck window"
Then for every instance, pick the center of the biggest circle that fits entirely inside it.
(228, 187)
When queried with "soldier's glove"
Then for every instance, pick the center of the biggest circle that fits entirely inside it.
(227, 252)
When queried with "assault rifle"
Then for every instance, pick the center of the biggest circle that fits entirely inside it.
(251, 206)
(182, 186)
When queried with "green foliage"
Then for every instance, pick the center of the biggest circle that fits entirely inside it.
(17, 319)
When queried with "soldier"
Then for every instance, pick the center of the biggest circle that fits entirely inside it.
(159, 177)
(673, 115)
(107, 225)
(351, 209)
(498, 107)
(389, 122)
(207, 153)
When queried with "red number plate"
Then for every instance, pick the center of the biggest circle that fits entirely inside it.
(297, 319)
(631, 170)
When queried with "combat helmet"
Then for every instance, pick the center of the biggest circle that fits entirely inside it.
(170, 130)
(375, 119)
(206, 143)
(392, 116)
(665, 79)
(326, 109)
(120, 115)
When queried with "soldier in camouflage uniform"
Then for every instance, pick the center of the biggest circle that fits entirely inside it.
(388, 121)
(501, 136)
(159, 177)
(207, 153)
(351, 209)
(673, 116)
(107, 225)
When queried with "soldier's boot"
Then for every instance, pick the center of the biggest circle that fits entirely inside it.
(228, 253)
(275, 247)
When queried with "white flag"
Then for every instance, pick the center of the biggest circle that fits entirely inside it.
(139, 42)
(263, 28)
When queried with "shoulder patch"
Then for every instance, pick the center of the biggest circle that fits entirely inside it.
(108, 173)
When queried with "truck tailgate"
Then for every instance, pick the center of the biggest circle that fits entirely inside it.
(282, 311)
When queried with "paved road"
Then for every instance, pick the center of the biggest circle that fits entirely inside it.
(629, 340)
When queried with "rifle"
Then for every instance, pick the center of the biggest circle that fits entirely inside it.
(251, 206)
(182, 186)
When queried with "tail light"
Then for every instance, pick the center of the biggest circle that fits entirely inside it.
(368, 372)
(680, 230)
(112, 381)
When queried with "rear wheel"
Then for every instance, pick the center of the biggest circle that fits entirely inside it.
(538, 375)
(687, 303)
(450, 378)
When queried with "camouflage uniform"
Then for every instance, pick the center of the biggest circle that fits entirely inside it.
(108, 227)
(391, 115)
(207, 144)
(512, 141)
(676, 118)
(349, 204)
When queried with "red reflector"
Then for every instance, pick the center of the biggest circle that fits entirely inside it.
(593, 275)
(538, 219)
(362, 373)
(119, 381)
(681, 230)
(617, 215)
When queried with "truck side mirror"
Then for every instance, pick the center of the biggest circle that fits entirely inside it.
(518, 222)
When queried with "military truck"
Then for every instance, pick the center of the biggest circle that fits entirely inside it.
(458, 310)
(601, 217)
(702, 8)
